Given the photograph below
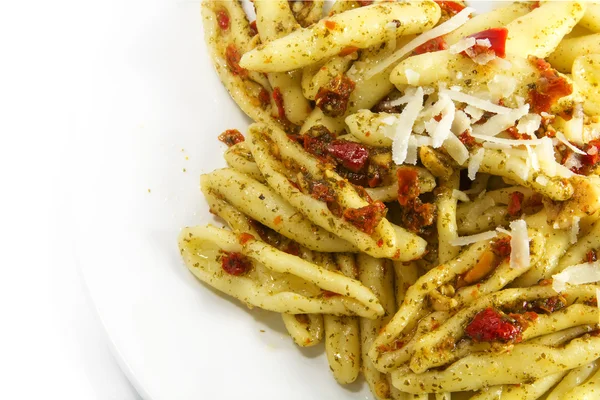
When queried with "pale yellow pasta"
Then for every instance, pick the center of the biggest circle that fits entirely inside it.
(446, 219)
(274, 19)
(316, 117)
(377, 275)
(528, 391)
(243, 90)
(573, 315)
(591, 18)
(406, 274)
(498, 17)
(538, 32)
(369, 128)
(202, 247)
(396, 242)
(262, 204)
(330, 36)
(314, 78)
(425, 181)
(569, 49)
(586, 74)
(239, 158)
(573, 379)
(589, 390)
(479, 370)
(577, 253)
(305, 329)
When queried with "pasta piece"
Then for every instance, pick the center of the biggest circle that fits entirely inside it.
(573, 379)
(591, 18)
(262, 204)
(305, 329)
(446, 219)
(577, 253)
(316, 117)
(569, 49)
(205, 249)
(529, 391)
(280, 159)
(498, 17)
(586, 73)
(377, 275)
(370, 128)
(479, 370)
(307, 12)
(239, 158)
(406, 274)
(248, 89)
(274, 19)
(330, 36)
(342, 341)
(540, 31)
(425, 181)
(588, 390)
(315, 77)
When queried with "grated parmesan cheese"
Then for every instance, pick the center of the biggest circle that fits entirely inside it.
(529, 124)
(442, 129)
(502, 86)
(412, 77)
(542, 180)
(404, 124)
(465, 240)
(574, 230)
(475, 113)
(475, 102)
(456, 149)
(475, 163)
(453, 23)
(519, 244)
(561, 138)
(576, 275)
(461, 196)
(462, 45)
(502, 230)
(508, 142)
(501, 122)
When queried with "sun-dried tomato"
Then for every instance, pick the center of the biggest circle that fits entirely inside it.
(408, 185)
(515, 202)
(235, 263)
(322, 191)
(223, 19)
(253, 28)
(432, 45)
(278, 97)
(264, 98)
(525, 319)
(502, 248)
(233, 57)
(317, 146)
(292, 248)
(231, 137)
(467, 139)
(497, 38)
(351, 155)
(591, 256)
(245, 237)
(332, 98)
(366, 218)
(535, 200)
(592, 156)
(451, 7)
(417, 216)
(547, 306)
(549, 87)
(490, 326)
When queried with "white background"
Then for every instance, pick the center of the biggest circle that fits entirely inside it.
(52, 345)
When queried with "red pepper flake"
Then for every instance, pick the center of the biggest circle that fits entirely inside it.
(223, 19)
(591, 256)
(332, 98)
(233, 57)
(327, 294)
(467, 139)
(264, 98)
(277, 220)
(278, 97)
(593, 154)
(366, 218)
(235, 264)
(347, 50)
(380, 243)
(490, 326)
(253, 28)
(408, 185)
(352, 155)
(515, 201)
(245, 237)
(549, 87)
(432, 45)
(502, 248)
(497, 38)
(451, 7)
(330, 24)
(231, 137)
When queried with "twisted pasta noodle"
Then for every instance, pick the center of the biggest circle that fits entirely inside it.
(342, 341)
(377, 275)
(586, 73)
(330, 36)
(573, 379)
(415, 296)
(529, 391)
(307, 12)
(300, 289)
(569, 49)
(266, 141)
(274, 19)
(588, 390)
(591, 18)
(478, 370)
(239, 158)
(262, 204)
(446, 222)
(425, 181)
(577, 253)
(305, 329)
(317, 76)
(226, 46)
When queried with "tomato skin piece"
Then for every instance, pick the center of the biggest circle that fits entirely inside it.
(231, 137)
(278, 97)
(491, 326)
(549, 87)
(353, 156)
(515, 202)
(332, 98)
(235, 264)
(451, 7)
(433, 45)
(408, 185)
(223, 19)
(497, 38)
(366, 218)
(233, 57)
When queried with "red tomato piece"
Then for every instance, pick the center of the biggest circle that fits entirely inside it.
(352, 156)
(435, 44)
(490, 326)
(235, 264)
(231, 137)
(515, 201)
(366, 218)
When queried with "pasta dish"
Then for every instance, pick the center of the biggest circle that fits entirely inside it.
(419, 190)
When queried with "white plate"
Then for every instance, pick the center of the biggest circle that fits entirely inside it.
(149, 134)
